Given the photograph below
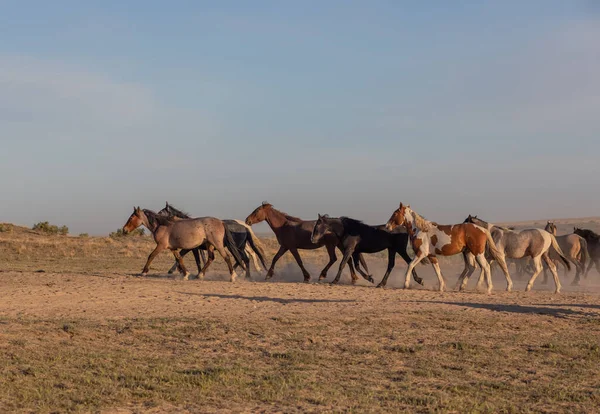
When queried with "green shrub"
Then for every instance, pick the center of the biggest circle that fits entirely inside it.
(119, 233)
(6, 228)
(48, 228)
(83, 235)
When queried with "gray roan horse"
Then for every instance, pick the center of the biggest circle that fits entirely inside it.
(574, 247)
(246, 241)
(535, 243)
(185, 234)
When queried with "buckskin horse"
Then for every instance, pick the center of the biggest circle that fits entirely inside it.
(185, 234)
(575, 249)
(430, 239)
(292, 234)
(357, 237)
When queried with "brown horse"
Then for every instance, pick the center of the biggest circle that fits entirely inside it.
(292, 234)
(430, 239)
(185, 234)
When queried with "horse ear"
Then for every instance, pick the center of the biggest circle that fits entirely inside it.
(408, 206)
(319, 216)
(401, 205)
(166, 204)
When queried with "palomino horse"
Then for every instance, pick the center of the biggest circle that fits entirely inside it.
(292, 234)
(357, 237)
(246, 241)
(430, 239)
(575, 249)
(535, 243)
(593, 242)
(185, 234)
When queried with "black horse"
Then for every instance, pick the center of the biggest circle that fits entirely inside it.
(357, 237)
(242, 235)
(593, 241)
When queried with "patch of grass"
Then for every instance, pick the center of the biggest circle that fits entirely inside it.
(47, 228)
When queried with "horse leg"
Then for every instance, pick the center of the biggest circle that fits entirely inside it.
(358, 259)
(537, 265)
(552, 267)
(225, 255)
(486, 268)
(196, 253)
(175, 266)
(352, 272)
(467, 272)
(502, 263)
(211, 257)
(462, 280)
(277, 256)
(407, 259)
(182, 268)
(363, 263)
(250, 253)
(578, 271)
(296, 255)
(438, 272)
(159, 248)
(332, 259)
(347, 253)
(390, 267)
(411, 266)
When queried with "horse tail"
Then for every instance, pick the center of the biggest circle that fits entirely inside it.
(255, 243)
(585, 254)
(230, 244)
(494, 251)
(556, 247)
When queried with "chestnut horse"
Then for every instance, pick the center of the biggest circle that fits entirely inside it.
(185, 234)
(292, 234)
(430, 239)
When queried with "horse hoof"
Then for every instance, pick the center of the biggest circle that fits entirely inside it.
(380, 286)
(233, 277)
(371, 280)
(186, 276)
(143, 274)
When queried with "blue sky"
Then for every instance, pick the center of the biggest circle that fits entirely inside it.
(339, 107)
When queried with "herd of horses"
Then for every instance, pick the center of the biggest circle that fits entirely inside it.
(481, 243)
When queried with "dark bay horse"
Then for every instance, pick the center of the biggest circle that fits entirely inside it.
(292, 234)
(430, 239)
(593, 241)
(246, 241)
(185, 234)
(357, 237)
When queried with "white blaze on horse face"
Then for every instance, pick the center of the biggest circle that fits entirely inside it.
(408, 217)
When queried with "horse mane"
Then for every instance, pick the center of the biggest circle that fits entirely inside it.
(287, 216)
(352, 225)
(422, 223)
(590, 233)
(157, 219)
(179, 213)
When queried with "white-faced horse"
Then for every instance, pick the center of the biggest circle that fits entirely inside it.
(430, 239)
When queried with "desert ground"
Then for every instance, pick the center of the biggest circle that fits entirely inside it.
(81, 332)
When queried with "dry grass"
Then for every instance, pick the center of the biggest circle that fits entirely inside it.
(86, 336)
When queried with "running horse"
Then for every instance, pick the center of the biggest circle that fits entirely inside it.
(185, 234)
(575, 249)
(430, 239)
(593, 241)
(517, 244)
(246, 241)
(292, 234)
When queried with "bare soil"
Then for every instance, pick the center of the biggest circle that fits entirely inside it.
(81, 333)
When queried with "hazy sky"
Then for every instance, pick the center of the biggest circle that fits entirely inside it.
(339, 107)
